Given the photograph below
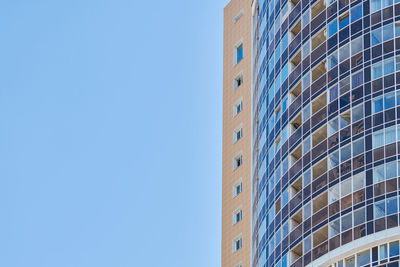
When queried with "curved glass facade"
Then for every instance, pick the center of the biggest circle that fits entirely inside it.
(326, 126)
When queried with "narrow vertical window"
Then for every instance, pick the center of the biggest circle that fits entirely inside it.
(344, 21)
(238, 81)
(237, 188)
(239, 53)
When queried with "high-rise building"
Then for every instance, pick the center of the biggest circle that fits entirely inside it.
(323, 153)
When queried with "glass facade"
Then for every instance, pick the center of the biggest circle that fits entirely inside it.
(326, 129)
(385, 254)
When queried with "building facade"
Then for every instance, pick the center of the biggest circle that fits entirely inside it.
(236, 170)
(324, 140)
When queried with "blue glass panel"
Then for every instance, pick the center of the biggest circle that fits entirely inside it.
(375, 5)
(388, 32)
(389, 101)
(391, 206)
(332, 28)
(239, 53)
(356, 13)
(394, 248)
(343, 22)
(377, 105)
(376, 36)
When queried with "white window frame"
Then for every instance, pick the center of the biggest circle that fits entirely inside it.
(238, 16)
(235, 160)
(237, 45)
(237, 103)
(239, 237)
(235, 213)
(235, 185)
(239, 76)
(236, 131)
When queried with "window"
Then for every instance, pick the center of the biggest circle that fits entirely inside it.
(376, 71)
(391, 206)
(306, 49)
(306, 80)
(237, 243)
(378, 139)
(237, 107)
(397, 29)
(271, 123)
(358, 181)
(388, 32)
(306, 18)
(347, 222)
(357, 79)
(261, 142)
(284, 11)
(285, 42)
(363, 258)
(332, 60)
(333, 193)
(285, 197)
(237, 134)
(379, 174)
(383, 251)
(391, 170)
(306, 145)
(237, 188)
(397, 63)
(307, 211)
(237, 161)
(271, 93)
(285, 73)
(345, 188)
(332, 28)
(344, 52)
(306, 113)
(357, 113)
(387, 3)
(376, 36)
(344, 119)
(307, 244)
(377, 104)
(390, 135)
(333, 93)
(333, 160)
(356, 46)
(344, 21)
(238, 81)
(307, 178)
(359, 216)
(375, 5)
(350, 261)
(237, 215)
(238, 16)
(239, 53)
(334, 228)
(388, 66)
(379, 209)
(358, 147)
(356, 13)
(285, 229)
(333, 126)
(390, 100)
(394, 249)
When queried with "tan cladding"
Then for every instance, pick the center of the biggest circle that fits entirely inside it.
(234, 33)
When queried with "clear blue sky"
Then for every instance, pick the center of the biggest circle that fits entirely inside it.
(110, 133)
